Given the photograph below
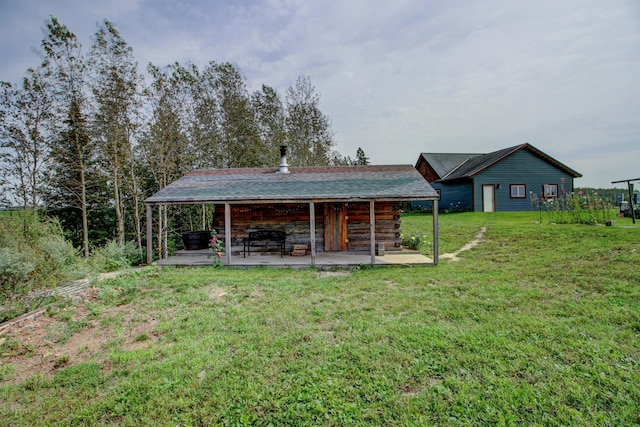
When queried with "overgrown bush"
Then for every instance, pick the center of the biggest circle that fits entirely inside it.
(113, 256)
(33, 255)
(33, 250)
(414, 242)
(15, 270)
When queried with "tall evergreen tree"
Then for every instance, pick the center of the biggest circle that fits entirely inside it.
(361, 158)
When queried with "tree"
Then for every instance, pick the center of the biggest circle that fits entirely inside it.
(115, 91)
(66, 68)
(242, 146)
(203, 115)
(269, 116)
(309, 134)
(25, 130)
(164, 145)
(361, 158)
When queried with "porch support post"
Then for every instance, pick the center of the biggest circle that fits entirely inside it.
(312, 231)
(227, 233)
(149, 234)
(160, 231)
(372, 222)
(435, 232)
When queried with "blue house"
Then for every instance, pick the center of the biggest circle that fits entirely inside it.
(500, 181)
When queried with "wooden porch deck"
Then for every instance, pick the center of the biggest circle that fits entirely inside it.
(202, 258)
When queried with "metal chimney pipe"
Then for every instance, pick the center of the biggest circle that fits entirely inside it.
(284, 167)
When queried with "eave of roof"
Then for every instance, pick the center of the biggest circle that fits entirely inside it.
(330, 183)
(443, 163)
(475, 165)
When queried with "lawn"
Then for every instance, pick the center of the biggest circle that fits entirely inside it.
(537, 325)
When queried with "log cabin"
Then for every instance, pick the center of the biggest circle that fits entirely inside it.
(353, 209)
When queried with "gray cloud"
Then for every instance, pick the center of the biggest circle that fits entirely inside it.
(398, 78)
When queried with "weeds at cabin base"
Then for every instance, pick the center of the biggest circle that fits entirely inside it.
(537, 325)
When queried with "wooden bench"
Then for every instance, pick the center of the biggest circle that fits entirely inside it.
(264, 238)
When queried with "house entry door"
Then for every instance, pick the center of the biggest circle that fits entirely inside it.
(335, 227)
(488, 198)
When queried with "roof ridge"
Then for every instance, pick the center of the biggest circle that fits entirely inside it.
(456, 168)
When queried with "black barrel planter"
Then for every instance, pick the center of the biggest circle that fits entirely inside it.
(194, 240)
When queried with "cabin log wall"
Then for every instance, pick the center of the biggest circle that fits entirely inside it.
(293, 219)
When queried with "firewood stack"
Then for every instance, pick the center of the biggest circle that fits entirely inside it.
(299, 250)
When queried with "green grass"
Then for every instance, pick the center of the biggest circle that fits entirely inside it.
(539, 325)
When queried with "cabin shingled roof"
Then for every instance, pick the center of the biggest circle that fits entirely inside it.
(390, 182)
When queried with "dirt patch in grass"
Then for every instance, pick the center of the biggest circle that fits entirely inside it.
(472, 244)
(337, 273)
(217, 293)
(70, 336)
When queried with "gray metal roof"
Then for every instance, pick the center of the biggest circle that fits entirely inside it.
(470, 165)
(331, 183)
(443, 163)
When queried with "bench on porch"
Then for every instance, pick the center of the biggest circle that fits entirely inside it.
(264, 238)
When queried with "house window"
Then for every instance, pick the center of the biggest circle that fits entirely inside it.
(550, 190)
(518, 191)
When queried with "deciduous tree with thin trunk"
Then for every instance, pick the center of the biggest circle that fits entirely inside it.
(66, 67)
(164, 146)
(25, 130)
(309, 134)
(270, 120)
(115, 88)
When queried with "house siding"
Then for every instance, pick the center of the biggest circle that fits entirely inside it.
(455, 197)
(522, 167)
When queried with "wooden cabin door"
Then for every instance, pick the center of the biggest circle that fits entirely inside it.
(335, 227)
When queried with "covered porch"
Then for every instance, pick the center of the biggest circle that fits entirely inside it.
(342, 215)
(204, 258)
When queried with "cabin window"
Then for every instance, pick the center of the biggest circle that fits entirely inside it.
(550, 190)
(518, 191)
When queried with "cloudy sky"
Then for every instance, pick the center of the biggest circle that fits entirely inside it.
(401, 77)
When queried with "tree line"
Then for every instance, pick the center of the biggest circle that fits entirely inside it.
(87, 137)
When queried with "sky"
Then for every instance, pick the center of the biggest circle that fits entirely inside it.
(398, 78)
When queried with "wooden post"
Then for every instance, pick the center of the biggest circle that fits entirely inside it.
(372, 223)
(436, 254)
(149, 234)
(160, 239)
(630, 188)
(312, 231)
(633, 210)
(227, 232)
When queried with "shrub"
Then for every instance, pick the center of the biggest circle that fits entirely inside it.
(15, 269)
(414, 241)
(58, 253)
(113, 256)
(33, 252)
